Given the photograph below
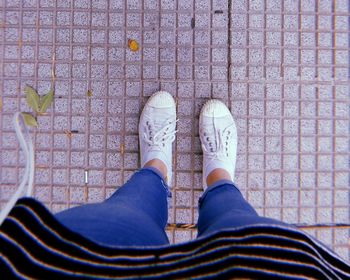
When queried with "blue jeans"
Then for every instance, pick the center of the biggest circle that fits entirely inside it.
(136, 214)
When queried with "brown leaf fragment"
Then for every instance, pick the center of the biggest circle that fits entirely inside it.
(133, 45)
(89, 93)
(68, 133)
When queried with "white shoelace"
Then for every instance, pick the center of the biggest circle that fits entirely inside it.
(164, 135)
(222, 139)
(23, 189)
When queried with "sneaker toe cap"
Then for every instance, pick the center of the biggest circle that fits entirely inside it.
(215, 108)
(161, 99)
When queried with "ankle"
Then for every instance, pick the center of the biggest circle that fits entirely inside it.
(216, 175)
(159, 165)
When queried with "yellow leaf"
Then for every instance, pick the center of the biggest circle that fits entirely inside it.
(29, 119)
(32, 98)
(133, 45)
(89, 93)
(46, 101)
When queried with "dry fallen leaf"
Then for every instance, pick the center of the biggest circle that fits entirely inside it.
(68, 133)
(133, 45)
(89, 93)
(29, 119)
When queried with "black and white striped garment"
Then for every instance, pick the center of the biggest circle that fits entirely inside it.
(33, 244)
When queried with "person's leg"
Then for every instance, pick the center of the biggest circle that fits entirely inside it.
(222, 204)
(136, 214)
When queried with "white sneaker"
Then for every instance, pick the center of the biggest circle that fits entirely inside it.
(157, 130)
(218, 134)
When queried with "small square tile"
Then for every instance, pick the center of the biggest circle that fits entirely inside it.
(183, 198)
(60, 141)
(341, 197)
(255, 180)
(77, 159)
(131, 125)
(202, 37)
(183, 162)
(256, 126)
(307, 198)
(183, 216)
(324, 178)
(133, 71)
(182, 236)
(167, 37)
(59, 194)
(307, 144)
(273, 38)
(96, 141)
(167, 71)
(290, 215)
(324, 198)
(219, 20)
(290, 162)
(273, 21)
(186, 89)
(60, 158)
(307, 162)
(184, 72)
(167, 54)
(272, 198)
(307, 179)
(290, 180)
(59, 177)
(184, 180)
(96, 159)
(324, 215)
(113, 178)
(307, 215)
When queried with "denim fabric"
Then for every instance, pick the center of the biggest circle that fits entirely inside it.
(136, 214)
(222, 206)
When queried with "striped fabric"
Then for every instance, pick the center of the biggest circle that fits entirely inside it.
(33, 244)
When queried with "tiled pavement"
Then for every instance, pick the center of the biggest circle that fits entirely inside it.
(281, 66)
